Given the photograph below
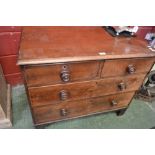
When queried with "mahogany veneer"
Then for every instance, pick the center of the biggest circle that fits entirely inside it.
(72, 72)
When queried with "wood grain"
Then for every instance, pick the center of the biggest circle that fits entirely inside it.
(6, 119)
(3, 91)
(119, 67)
(5, 102)
(51, 74)
(66, 44)
(49, 95)
(100, 72)
(51, 113)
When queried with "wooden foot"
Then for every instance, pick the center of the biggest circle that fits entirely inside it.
(38, 127)
(120, 112)
(41, 126)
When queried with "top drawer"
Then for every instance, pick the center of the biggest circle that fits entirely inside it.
(121, 67)
(61, 73)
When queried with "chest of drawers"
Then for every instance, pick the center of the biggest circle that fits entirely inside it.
(72, 72)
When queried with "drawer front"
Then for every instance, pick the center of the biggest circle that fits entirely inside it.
(53, 113)
(82, 90)
(123, 67)
(61, 73)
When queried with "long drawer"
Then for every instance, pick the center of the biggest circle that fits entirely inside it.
(56, 94)
(122, 67)
(52, 113)
(61, 73)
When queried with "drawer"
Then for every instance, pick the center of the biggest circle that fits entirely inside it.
(53, 113)
(126, 66)
(61, 73)
(82, 90)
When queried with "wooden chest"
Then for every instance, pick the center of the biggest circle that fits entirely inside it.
(72, 72)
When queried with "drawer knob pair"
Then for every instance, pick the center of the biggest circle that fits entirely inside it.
(131, 69)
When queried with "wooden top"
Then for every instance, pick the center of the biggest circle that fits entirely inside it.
(65, 44)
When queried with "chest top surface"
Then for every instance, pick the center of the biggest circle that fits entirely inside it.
(68, 43)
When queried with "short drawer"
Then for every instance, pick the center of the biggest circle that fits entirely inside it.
(126, 66)
(53, 113)
(61, 73)
(56, 94)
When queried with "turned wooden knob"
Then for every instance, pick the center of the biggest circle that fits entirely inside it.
(64, 95)
(65, 76)
(122, 86)
(131, 69)
(63, 112)
(113, 103)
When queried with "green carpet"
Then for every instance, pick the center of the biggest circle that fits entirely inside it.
(140, 115)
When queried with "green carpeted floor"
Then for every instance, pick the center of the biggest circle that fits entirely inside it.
(140, 115)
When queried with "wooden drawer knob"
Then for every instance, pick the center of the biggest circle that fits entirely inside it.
(122, 86)
(131, 69)
(113, 103)
(63, 112)
(64, 95)
(65, 76)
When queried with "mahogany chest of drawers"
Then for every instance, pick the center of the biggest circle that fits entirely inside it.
(72, 72)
